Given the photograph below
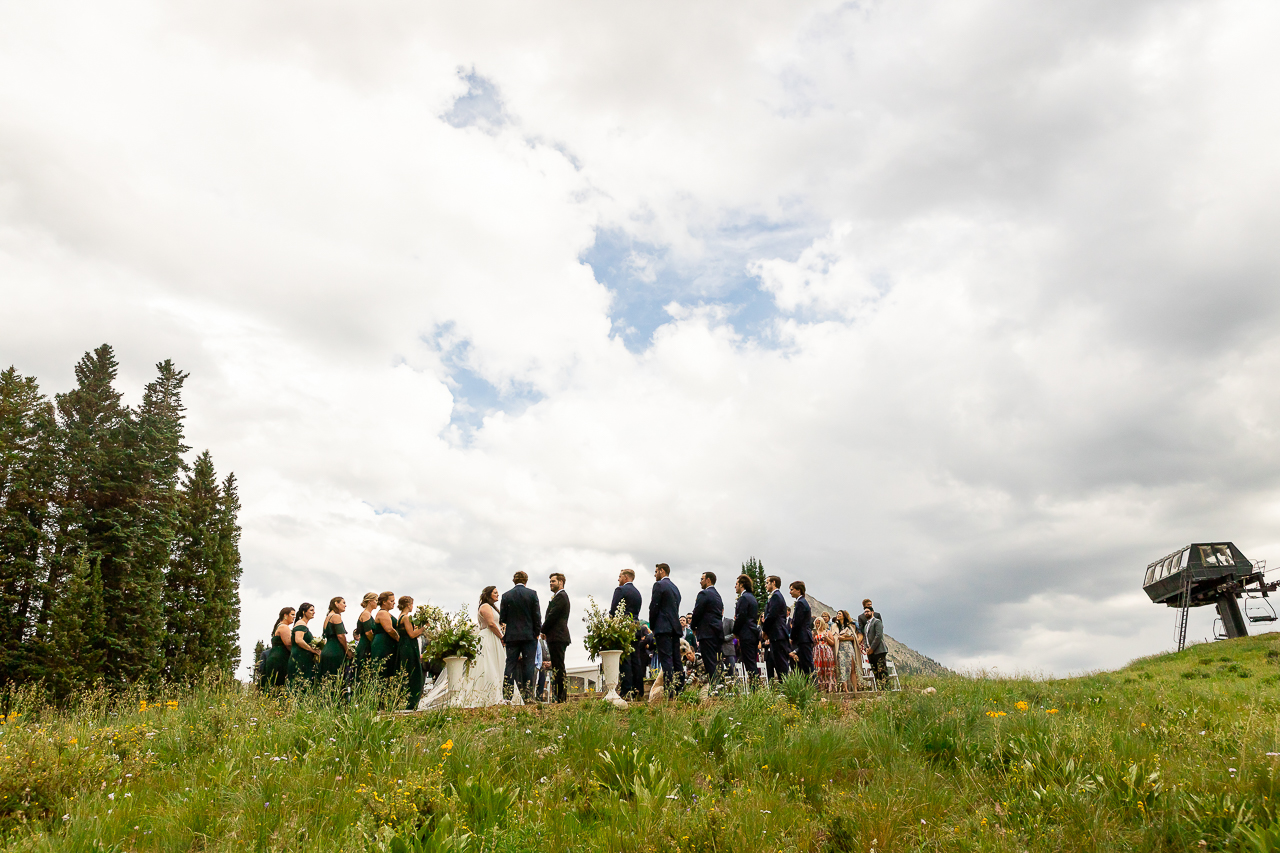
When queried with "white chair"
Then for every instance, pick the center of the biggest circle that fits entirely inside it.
(867, 678)
(893, 674)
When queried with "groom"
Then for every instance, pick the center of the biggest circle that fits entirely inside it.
(520, 612)
(556, 632)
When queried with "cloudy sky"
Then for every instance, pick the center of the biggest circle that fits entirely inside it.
(967, 305)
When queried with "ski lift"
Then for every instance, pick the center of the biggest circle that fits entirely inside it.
(1258, 609)
(1211, 573)
(1219, 630)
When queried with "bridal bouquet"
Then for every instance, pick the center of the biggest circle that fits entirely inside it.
(427, 615)
(606, 632)
(318, 643)
(446, 636)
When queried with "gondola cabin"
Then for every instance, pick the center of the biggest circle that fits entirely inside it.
(1209, 573)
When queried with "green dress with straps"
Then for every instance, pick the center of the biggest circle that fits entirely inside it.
(333, 655)
(302, 663)
(383, 650)
(364, 646)
(276, 667)
(410, 662)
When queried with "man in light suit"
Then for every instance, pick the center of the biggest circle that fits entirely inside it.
(555, 630)
(520, 612)
(745, 614)
(774, 624)
(708, 625)
(664, 621)
(877, 649)
(632, 669)
(801, 630)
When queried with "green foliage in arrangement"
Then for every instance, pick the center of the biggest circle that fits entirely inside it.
(446, 635)
(1135, 760)
(113, 565)
(609, 631)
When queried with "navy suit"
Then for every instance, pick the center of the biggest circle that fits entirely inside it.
(745, 628)
(664, 621)
(802, 635)
(632, 680)
(520, 612)
(708, 627)
(774, 624)
(556, 629)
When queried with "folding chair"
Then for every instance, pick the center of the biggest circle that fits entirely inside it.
(893, 674)
(867, 678)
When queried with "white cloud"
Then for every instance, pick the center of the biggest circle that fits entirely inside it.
(1020, 349)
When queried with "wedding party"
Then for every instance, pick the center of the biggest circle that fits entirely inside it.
(514, 652)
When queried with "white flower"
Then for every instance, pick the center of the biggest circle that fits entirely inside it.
(111, 796)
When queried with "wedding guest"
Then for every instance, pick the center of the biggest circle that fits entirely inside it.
(336, 652)
(774, 624)
(688, 660)
(555, 630)
(686, 629)
(863, 617)
(382, 648)
(801, 630)
(664, 619)
(626, 595)
(364, 633)
(302, 660)
(409, 653)
(708, 625)
(276, 667)
(824, 653)
(521, 613)
(745, 626)
(646, 646)
(877, 649)
(728, 648)
(848, 650)
(542, 663)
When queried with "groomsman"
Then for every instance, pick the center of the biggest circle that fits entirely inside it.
(708, 625)
(555, 630)
(520, 612)
(801, 630)
(774, 624)
(629, 597)
(745, 627)
(664, 621)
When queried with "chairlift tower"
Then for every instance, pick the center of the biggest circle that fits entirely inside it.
(1214, 573)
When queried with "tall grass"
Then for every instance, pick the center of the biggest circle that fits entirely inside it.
(1142, 759)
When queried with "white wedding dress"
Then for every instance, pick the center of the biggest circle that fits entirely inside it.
(482, 684)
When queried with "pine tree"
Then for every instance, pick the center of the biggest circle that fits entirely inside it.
(76, 636)
(259, 649)
(754, 569)
(191, 576)
(27, 469)
(224, 594)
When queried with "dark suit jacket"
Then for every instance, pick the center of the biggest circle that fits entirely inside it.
(664, 608)
(520, 612)
(628, 593)
(745, 613)
(708, 610)
(774, 622)
(801, 623)
(556, 625)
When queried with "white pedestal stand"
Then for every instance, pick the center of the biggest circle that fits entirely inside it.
(455, 671)
(609, 662)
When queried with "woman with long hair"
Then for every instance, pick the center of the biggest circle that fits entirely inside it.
(824, 654)
(302, 660)
(276, 668)
(408, 653)
(847, 651)
(336, 652)
(382, 649)
(364, 632)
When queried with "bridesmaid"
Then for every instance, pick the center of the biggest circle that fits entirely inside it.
(276, 667)
(336, 651)
(383, 647)
(408, 652)
(364, 633)
(302, 660)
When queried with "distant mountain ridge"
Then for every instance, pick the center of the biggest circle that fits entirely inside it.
(906, 659)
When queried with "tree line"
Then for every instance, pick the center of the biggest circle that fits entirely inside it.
(119, 560)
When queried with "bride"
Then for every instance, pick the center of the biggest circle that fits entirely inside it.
(482, 684)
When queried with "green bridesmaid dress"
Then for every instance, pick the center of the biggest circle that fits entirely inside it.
(333, 655)
(302, 663)
(410, 657)
(383, 651)
(276, 668)
(364, 646)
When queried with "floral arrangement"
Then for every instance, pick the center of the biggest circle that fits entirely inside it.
(446, 636)
(318, 643)
(607, 632)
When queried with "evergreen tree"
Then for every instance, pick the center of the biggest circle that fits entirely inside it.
(754, 569)
(259, 649)
(27, 470)
(75, 642)
(190, 580)
(224, 597)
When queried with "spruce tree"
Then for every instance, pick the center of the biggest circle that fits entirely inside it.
(224, 595)
(28, 463)
(189, 583)
(754, 569)
(75, 642)
(259, 649)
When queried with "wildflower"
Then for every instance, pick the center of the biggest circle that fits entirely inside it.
(1021, 706)
(1052, 711)
(447, 744)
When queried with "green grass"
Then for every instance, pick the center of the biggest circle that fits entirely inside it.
(1164, 754)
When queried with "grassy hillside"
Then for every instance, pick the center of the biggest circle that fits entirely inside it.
(1165, 754)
